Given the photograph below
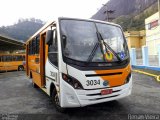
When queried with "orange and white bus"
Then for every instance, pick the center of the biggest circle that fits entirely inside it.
(79, 62)
(10, 62)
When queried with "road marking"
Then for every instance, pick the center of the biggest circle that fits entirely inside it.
(149, 74)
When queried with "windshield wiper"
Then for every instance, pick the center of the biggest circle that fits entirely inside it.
(93, 52)
(95, 49)
(107, 47)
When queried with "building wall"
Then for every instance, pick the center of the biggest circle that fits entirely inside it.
(135, 39)
(142, 38)
(135, 42)
(152, 33)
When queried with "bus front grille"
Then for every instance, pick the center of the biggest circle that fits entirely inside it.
(104, 74)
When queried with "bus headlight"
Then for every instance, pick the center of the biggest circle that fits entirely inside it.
(72, 81)
(128, 78)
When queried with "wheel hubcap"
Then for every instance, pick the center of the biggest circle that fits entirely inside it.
(20, 68)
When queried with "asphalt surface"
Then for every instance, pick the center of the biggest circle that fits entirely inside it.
(18, 97)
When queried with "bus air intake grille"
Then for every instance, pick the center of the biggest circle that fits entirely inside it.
(105, 74)
(103, 98)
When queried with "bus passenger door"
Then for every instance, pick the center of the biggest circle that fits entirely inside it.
(42, 59)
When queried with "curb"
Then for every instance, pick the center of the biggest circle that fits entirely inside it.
(149, 74)
(155, 68)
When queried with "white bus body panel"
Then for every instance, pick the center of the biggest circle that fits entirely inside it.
(71, 97)
(52, 76)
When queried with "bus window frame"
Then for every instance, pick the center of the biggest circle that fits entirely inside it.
(53, 49)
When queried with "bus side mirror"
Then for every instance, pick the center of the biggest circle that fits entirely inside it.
(49, 37)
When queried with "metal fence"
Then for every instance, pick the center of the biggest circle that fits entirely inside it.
(140, 57)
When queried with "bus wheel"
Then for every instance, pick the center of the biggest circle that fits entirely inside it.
(56, 102)
(20, 68)
(34, 85)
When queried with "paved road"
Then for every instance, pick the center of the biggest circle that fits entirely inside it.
(18, 97)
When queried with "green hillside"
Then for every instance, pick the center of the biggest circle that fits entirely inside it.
(23, 29)
(132, 22)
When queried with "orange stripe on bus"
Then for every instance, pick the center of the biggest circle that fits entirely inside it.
(115, 80)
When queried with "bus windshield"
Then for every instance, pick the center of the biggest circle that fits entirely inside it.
(92, 41)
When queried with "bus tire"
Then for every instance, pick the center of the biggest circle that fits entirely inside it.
(30, 75)
(55, 99)
(34, 84)
(20, 68)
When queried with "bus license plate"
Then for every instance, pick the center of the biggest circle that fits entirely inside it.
(106, 92)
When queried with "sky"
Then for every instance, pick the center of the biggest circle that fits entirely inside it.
(12, 10)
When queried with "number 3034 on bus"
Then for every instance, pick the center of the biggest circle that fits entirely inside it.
(92, 82)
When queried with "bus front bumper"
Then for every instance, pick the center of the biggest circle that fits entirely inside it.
(79, 98)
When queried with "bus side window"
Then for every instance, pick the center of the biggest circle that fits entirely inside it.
(3, 58)
(52, 51)
(29, 48)
(37, 44)
(14, 58)
(19, 58)
(8, 58)
(24, 58)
